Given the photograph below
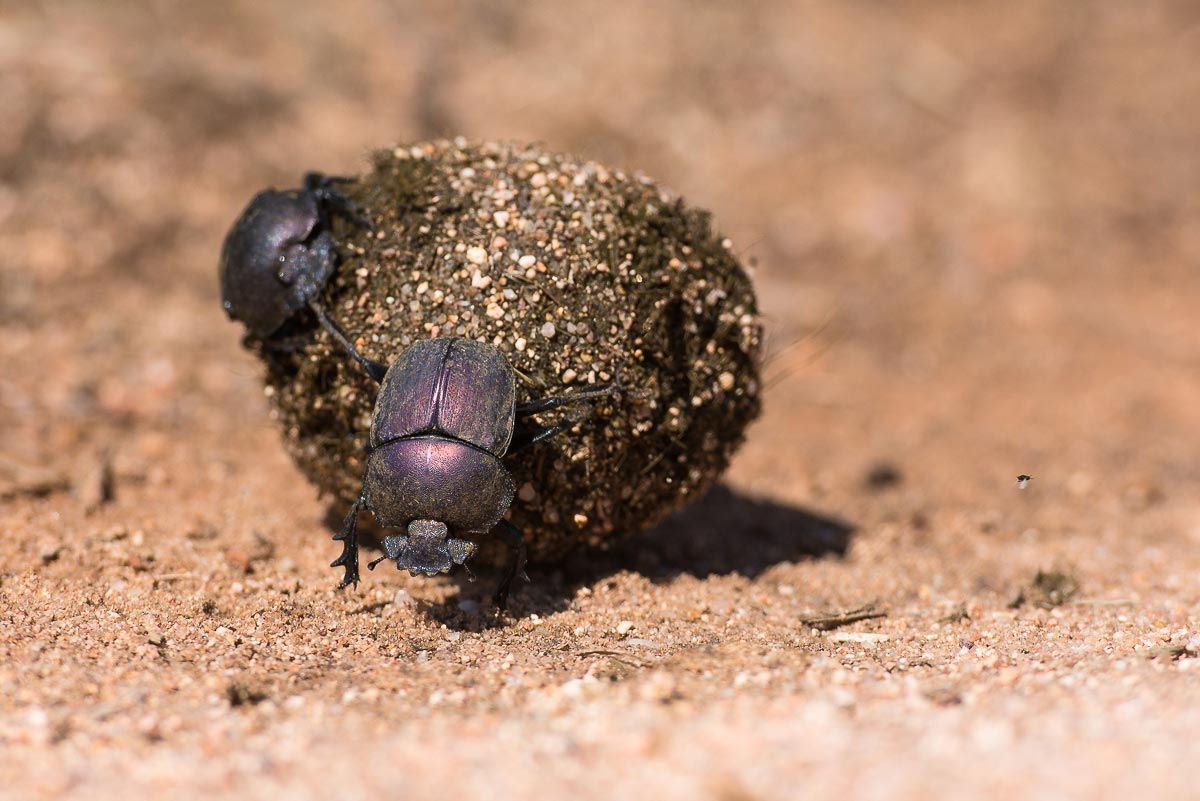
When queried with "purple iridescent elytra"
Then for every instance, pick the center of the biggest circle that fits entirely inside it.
(449, 386)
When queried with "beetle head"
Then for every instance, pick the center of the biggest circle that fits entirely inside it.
(427, 549)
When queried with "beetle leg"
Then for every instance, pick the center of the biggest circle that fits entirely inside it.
(322, 186)
(348, 536)
(314, 181)
(525, 434)
(374, 369)
(510, 535)
(546, 404)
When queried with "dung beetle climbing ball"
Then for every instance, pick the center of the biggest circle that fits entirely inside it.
(280, 253)
(445, 416)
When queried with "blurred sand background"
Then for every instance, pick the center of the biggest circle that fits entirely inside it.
(976, 230)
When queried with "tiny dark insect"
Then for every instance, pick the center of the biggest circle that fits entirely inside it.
(1023, 481)
(280, 253)
(445, 416)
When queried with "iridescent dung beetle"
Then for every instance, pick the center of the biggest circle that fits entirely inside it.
(445, 416)
(279, 255)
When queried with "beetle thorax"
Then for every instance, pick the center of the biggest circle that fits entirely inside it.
(437, 478)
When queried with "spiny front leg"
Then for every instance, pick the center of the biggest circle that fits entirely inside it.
(348, 536)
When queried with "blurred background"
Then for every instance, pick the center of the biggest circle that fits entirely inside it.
(975, 230)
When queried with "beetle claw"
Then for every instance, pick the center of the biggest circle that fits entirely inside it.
(348, 536)
(322, 187)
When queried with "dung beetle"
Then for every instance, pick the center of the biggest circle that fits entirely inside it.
(445, 416)
(280, 253)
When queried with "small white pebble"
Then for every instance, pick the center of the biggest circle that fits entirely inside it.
(580, 519)
(476, 255)
(501, 218)
(548, 330)
(569, 375)
(494, 311)
(527, 261)
(624, 627)
(726, 381)
(520, 343)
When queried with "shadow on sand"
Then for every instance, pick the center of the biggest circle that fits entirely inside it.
(723, 533)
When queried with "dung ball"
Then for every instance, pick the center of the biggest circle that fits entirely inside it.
(575, 272)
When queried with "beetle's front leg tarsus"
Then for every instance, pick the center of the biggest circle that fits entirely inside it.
(510, 535)
(348, 536)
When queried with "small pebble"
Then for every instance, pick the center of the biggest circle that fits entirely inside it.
(476, 255)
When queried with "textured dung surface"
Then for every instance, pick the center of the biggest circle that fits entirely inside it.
(573, 271)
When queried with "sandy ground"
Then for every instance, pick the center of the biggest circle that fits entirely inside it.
(976, 233)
